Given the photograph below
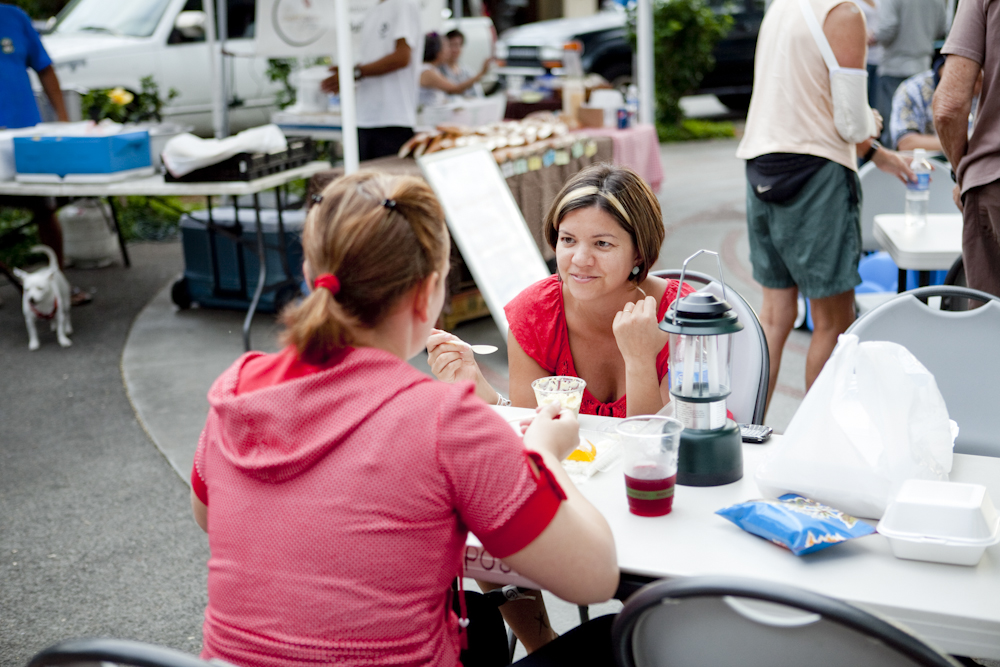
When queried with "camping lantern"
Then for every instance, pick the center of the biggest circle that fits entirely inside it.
(701, 327)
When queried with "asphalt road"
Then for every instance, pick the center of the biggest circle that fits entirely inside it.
(96, 534)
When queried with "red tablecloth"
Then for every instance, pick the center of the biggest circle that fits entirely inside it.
(636, 147)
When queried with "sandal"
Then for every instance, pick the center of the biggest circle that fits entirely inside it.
(79, 297)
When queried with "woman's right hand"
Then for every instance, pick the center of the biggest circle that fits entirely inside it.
(449, 358)
(554, 430)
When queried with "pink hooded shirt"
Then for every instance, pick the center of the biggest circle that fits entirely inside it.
(338, 507)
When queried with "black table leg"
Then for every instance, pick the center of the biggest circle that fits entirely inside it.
(262, 274)
(118, 230)
(901, 281)
(923, 278)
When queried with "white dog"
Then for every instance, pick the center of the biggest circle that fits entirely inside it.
(46, 297)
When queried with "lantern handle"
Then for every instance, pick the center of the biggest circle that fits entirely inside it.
(684, 270)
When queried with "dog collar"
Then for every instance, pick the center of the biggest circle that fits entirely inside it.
(45, 316)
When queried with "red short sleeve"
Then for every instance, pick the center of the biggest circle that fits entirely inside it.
(198, 486)
(535, 319)
(495, 491)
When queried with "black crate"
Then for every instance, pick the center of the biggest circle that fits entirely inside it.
(248, 166)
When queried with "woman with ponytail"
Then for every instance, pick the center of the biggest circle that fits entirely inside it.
(337, 483)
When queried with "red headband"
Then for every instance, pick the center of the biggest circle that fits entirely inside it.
(328, 281)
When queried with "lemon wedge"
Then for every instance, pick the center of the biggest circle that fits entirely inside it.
(586, 452)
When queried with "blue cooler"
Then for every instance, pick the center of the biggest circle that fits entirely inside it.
(56, 157)
(221, 267)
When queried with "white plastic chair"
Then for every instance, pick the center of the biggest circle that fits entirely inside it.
(960, 348)
(884, 193)
(736, 621)
(750, 362)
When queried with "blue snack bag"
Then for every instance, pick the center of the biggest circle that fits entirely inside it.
(799, 524)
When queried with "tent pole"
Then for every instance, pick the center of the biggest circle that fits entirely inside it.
(218, 101)
(647, 85)
(348, 106)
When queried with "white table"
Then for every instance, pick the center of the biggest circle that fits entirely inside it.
(156, 186)
(934, 247)
(326, 126)
(955, 608)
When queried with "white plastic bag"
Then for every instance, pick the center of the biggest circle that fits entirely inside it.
(873, 419)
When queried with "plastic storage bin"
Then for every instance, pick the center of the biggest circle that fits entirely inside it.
(944, 522)
(56, 157)
(220, 272)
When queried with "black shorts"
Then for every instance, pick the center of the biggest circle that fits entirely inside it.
(374, 142)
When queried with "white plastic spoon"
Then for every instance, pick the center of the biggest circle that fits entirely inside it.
(477, 349)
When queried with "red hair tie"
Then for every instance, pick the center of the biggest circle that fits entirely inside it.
(327, 281)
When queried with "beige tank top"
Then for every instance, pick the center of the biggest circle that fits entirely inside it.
(791, 110)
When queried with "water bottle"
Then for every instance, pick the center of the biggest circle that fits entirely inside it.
(918, 191)
(632, 104)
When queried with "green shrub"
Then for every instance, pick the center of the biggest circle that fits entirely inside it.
(280, 70)
(151, 218)
(40, 9)
(684, 34)
(125, 106)
(16, 237)
(691, 129)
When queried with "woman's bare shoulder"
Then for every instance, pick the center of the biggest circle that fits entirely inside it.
(655, 287)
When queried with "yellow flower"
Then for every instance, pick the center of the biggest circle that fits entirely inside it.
(120, 96)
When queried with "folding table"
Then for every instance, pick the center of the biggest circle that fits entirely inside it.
(934, 247)
(954, 607)
(155, 186)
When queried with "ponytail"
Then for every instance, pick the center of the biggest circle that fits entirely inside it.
(378, 236)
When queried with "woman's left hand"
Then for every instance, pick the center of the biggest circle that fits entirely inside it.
(637, 332)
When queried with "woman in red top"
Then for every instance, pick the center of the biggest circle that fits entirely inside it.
(595, 319)
(337, 484)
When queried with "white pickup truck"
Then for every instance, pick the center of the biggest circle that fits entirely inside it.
(110, 43)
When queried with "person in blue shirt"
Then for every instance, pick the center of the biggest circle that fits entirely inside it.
(21, 48)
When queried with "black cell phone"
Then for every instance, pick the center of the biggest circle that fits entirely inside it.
(755, 433)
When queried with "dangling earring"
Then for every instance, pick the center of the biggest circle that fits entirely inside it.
(635, 270)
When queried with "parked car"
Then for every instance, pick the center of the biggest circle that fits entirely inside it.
(536, 49)
(110, 43)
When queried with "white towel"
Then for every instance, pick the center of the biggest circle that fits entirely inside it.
(186, 152)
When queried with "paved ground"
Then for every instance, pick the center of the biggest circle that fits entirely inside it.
(96, 535)
(95, 529)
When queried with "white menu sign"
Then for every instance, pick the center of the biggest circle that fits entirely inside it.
(486, 224)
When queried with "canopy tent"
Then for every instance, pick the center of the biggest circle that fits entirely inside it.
(291, 28)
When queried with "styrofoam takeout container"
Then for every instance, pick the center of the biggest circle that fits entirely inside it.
(943, 522)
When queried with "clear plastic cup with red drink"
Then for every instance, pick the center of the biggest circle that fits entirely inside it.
(649, 453)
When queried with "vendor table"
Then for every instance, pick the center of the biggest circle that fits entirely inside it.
(155, 186)
(954, 607)
(934, 247)
(636, 147)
